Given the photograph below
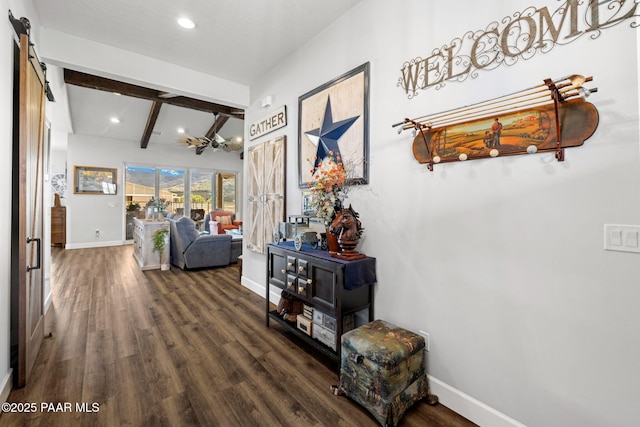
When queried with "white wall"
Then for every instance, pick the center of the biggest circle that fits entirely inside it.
(500, 260)
(86, 213)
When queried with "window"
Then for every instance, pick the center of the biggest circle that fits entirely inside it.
(171, 190)
(201, 194)
(181, 191)
(226, 191)
(140, 186)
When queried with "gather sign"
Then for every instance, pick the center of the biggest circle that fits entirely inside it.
(269, 123)
(514, 38)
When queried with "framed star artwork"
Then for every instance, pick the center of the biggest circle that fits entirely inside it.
(333, 120)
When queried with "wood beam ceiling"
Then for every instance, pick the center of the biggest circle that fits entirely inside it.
(211, 133)
(151, 123)
(158, 98)
(78, 78)
(217, 125)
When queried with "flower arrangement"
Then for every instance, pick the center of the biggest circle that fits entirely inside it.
(160, 205)
(327, 189)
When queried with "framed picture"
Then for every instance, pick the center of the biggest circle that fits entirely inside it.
(94, 180)
(307, 207)
(333, 121)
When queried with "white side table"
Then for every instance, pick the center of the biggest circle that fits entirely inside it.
(143, 232)
(235, 234)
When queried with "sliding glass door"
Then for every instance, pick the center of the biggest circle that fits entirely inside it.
(171, 185)
(140, 187)
(177, 191)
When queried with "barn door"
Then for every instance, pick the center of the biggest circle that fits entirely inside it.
(27, 219)
(265, 192)
(255, 205)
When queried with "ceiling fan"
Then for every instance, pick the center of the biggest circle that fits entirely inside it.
(215, 141)
(233, 143)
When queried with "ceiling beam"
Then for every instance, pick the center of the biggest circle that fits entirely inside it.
(151, 123)
(211, 134)
(216, 126)
(90, 81)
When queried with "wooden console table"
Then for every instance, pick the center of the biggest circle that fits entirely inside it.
(338, 291)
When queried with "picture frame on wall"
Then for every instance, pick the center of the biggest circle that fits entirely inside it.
(333, 120)
(94, 180)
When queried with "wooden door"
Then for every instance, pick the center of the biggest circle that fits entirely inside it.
(28, 167)
(255, 178)
(265, 192)
(273, 187)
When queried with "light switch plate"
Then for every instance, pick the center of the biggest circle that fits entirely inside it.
(622, 238)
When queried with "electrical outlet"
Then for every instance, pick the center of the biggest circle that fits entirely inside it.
(426, 340)
(97, 232)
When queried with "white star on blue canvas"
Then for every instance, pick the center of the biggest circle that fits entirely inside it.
(327, 135)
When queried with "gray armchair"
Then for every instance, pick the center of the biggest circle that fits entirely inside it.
(190, 249)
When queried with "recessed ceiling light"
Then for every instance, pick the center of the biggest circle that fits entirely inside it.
(115, 120)
(180, 130)
(186, 23)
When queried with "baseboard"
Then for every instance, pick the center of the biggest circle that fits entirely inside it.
(257, 288)
(89, 245)
(468, 407)
(254, 287)
(47, 302)
(6, 385)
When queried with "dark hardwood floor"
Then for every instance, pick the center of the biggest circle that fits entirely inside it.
(177, 348)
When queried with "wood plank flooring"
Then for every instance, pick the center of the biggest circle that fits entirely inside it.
(178, 348)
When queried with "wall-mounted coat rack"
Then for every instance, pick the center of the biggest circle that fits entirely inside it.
(548, 117)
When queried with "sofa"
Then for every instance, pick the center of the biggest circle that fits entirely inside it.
(218, 221)
(192, 249)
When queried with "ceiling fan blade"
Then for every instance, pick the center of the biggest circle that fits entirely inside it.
(193, 141)
(232, 146)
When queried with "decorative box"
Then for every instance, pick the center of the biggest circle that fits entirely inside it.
(324, 335)
(324, 320)
(307, 311)
(304, 324)
(382, 368)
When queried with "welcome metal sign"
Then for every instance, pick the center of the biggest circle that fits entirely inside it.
(514, 38)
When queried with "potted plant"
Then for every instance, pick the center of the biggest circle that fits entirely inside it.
(159, 243)
(133, 207)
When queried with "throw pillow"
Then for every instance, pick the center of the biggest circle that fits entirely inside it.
(224, 220)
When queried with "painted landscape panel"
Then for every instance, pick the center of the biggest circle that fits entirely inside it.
(509, 133)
